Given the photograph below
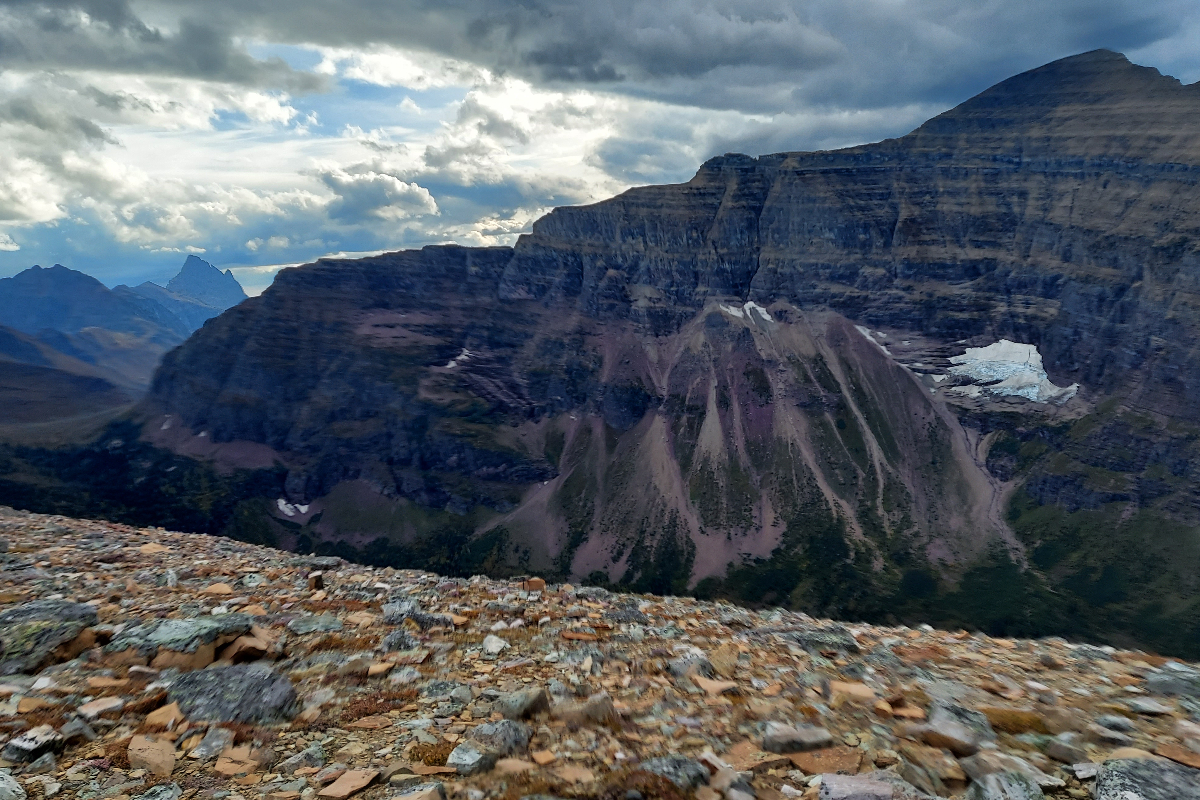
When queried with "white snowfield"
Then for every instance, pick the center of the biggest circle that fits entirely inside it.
(1011, 369)
(291, 509)
(744, 311)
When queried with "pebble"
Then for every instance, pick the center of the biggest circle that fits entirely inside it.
(395, 667)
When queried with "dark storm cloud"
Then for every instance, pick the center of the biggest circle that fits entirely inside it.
(756, 55)
(108, 36)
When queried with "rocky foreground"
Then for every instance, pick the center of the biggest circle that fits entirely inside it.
(164, 666)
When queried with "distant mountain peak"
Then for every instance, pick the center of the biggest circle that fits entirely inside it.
(200, 281)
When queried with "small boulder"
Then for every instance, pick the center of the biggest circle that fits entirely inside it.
(34, 634)
(33, 743)
(156, 756)
(779, 738)
(399, 639)
(957, 729)
(312, 757)
(522, 704)
(1147, 780)
(683, 772)
(10, 789)
(251, 693)
(314, 623)
(468, 758)
(164, 791)
(504, 738)
(1067, 748)
(215, 741)
(494, 645)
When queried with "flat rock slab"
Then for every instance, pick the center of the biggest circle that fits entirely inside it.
(250, 693)
(779, 738)
(1146, 780)
(351, 781)
(32, 632)
(156, 756)
(840, 759)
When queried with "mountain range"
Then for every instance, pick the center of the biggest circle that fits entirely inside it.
(947, 377)
(73, 346)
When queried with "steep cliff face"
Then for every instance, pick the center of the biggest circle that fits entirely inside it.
(747, 380)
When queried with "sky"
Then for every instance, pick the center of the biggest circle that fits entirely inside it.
(260, 133)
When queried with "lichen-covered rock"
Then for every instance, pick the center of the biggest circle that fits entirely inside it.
(1146, 779)
(314, 623)
(181, 643)
(469, 758)
(242, 693)
(685, 773)
(505, 737)
(31, 633)
(1005, 786)
(9, 788)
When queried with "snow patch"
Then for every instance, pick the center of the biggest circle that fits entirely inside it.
(866, 332)
(1011, 369)
(733, 311)
(756, 308)
(290, 509)
(166, 423)
(465, 355)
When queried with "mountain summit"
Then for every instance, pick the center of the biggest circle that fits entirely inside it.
(200, 281)
(123, 331)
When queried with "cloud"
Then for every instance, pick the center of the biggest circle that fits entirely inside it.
(257, 132)
(374, 194)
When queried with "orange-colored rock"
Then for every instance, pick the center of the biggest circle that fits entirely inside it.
(1179, 754)
(218, 589)
(840, 759)
(711, 687)
(909, 712)
(153, 549)
(534, 585)
(241, 760)
(543, 757)
(27, 704)
(156, 756)
(102, 682)
(573, 774)
(165, 718)
(1014, 720)
(351, 781)
(852, 691)
(371, 723)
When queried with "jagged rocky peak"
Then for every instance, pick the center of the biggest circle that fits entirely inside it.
(200, 281)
